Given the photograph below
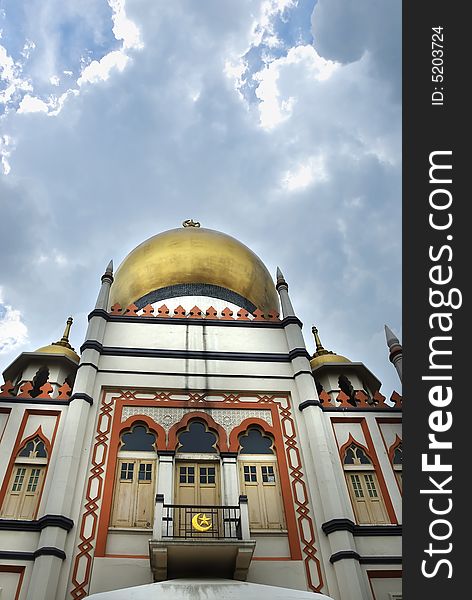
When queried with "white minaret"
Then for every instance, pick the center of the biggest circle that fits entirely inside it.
(396, 350)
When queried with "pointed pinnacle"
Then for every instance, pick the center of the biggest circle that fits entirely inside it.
(108, 272)
(280, 276)
(319, 345)
(391, 337)
(64, 341)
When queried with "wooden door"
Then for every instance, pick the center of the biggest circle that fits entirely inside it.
(196, 485)
(260, 483)
(133, 503)
(24, 492)
(366, 498)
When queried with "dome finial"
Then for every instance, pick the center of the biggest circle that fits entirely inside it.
(190, 223)
(320, 351)
(64, 341)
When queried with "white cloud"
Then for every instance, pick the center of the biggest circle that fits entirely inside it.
(169, 137)
(30, 104)
(13, 332)
(274, 108)
(304, 174)
(100, 70)
(123, 28)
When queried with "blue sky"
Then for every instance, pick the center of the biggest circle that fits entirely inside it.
(276, 121)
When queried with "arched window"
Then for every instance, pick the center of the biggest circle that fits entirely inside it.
(133, 501)
(396, 456)
(363, 486)
(197, 477)
(197, 438)
(260, 480)
(26, 483)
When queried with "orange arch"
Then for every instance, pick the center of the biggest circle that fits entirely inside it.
(393, 447)
(236, 432)
(152, 425)
(222, 443)
(350, 442)
(38, 433)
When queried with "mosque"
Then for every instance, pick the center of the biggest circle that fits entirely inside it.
(195, 448)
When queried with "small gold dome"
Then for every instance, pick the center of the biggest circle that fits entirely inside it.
(322, 356)
(193, 258)
(316, 361)
(54, 349)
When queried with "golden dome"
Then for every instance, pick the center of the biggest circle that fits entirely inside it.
(316, 361)
(54, 349)
(62, 346)
(194, 261)
(322, 356)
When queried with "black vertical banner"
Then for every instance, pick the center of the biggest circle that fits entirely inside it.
(436, 252)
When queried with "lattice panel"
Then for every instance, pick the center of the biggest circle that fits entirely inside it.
(168, 416)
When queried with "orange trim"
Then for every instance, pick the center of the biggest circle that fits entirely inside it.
(387, 421)
(393, 447)
(141, 556)
(15, 569)
(272, 558)
(221, 442)
(382, 574)
(5, 411)
(301, 533)
(383, 485)
(373, 456)
(19, 443)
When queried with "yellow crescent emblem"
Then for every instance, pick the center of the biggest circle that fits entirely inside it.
(201, 522)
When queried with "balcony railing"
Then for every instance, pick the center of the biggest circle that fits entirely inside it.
(203, 522)
(214, 522)
(200, 540)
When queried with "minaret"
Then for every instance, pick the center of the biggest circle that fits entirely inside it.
(47, 568)
(319, 457)
(396, 350)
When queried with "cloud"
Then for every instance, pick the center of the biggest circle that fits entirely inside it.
(13, 332)
(292, 146)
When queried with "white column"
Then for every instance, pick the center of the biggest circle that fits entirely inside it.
(229, 476)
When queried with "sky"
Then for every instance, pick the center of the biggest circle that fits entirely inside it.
(275, 121)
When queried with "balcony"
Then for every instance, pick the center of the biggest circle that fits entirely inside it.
(200, 541)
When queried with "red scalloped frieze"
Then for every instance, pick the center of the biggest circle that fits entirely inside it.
(132, 311)
(6, 388)
(195, 313)
(64, 391)
(115, 309)
(25, 390)
(163, 311)
(211, 313)
(258, 315)
(179, 312)
(148, 311)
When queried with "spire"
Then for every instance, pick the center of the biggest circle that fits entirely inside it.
(320, 351)
(280, 278)
(108, 272)
(396, 350)
(107, 280)
(282, 288)
(64, 341)
(391, 337)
